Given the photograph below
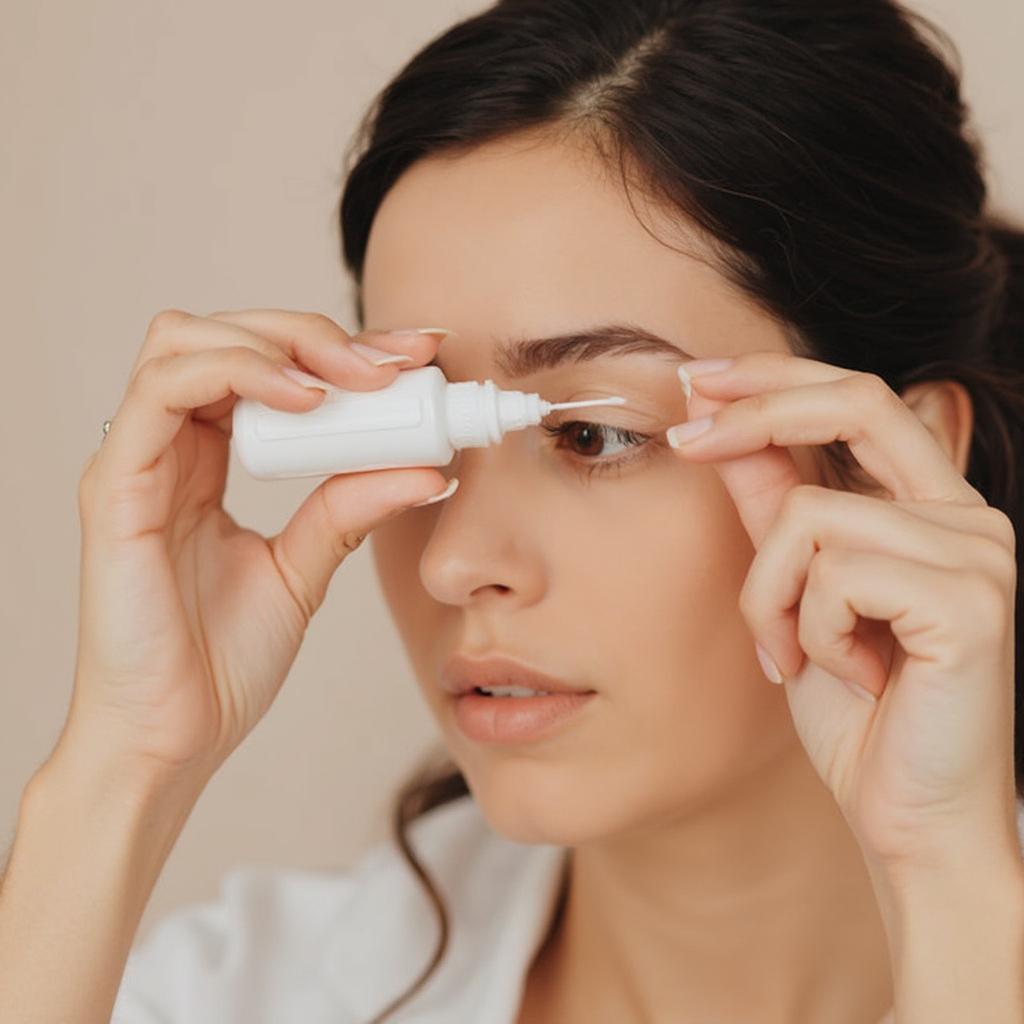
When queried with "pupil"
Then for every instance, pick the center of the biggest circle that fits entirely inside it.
(594, 436)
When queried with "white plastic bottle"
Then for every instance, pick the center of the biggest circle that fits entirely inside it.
(421, 419)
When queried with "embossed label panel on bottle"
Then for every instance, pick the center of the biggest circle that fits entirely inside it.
(339, 414)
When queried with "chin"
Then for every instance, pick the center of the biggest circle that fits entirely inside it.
(541, 803)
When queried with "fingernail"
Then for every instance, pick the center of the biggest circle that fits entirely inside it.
(446, 493)
(683, 432)
(378, 356)
(684, 377)
(307, 380)
(862, 693)
(699, 367)
(443, 332)
(771, 670)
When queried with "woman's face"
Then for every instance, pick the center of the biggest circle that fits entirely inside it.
(618, 576)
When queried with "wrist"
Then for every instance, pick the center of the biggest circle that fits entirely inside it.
(130, 812)
(97, 771)
(93, 833)
(956, 939)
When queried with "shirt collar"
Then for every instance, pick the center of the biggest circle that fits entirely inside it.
(500, 896)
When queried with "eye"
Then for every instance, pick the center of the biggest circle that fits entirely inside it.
(588, 440)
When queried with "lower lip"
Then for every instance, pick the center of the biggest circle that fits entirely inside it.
(515, 719)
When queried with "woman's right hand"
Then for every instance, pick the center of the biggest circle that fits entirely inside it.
(188, 622)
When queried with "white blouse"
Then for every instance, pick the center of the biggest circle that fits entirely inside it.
(300, 946)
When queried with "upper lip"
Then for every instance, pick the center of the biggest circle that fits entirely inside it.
(460, 674)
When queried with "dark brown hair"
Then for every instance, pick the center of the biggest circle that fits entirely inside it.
(821, 145)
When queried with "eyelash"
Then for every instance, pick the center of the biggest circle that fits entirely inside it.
(602, 466)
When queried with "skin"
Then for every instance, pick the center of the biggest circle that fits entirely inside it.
(706, 848)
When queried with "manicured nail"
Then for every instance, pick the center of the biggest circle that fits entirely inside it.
(684, 378)
(307, 380)
(771, 670)
(378, 356)
(442, 332)
(446, 493)
(862, 693)
(683, 432)
(699, 367)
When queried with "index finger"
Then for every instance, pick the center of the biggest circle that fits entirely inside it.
(806, 401)
(757, 483)
(305, 334)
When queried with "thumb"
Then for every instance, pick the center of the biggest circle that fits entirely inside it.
(337, 517)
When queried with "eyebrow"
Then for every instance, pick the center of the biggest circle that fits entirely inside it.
(521, 357)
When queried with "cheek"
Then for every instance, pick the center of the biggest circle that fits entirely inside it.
(676, 635)
(685, 708)
(641, 584)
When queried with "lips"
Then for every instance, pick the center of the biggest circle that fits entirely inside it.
(461, 674)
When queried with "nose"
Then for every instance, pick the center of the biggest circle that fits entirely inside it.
(487, 541)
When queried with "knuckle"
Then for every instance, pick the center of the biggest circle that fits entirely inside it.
(996, 561)
(241, 356)
(320, 323)
(870, 389)
(808, 636)
(825, 647)
(750, 605)
(802, 499)
(759, 404)
(826, 567)
(349, 541)
(1002, 527)
(165, 320)
(989, 602)
(758, 600)
(148, 373)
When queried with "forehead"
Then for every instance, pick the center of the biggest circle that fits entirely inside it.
(532, 235)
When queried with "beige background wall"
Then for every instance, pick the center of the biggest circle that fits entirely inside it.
(188, 155)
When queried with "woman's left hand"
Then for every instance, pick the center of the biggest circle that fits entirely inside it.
(910, 597)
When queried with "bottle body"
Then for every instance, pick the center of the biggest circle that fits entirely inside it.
(404, 424)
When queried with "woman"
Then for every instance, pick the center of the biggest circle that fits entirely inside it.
(589, 195)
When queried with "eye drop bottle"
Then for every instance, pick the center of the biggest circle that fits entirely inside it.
(421, 419)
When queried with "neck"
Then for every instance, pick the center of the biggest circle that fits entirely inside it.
(755, 905)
